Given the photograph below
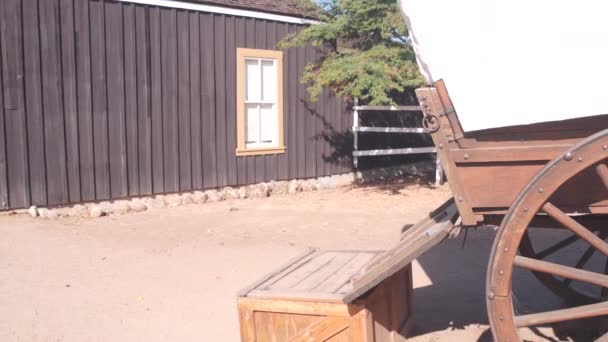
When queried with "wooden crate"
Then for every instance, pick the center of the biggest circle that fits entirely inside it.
(305, 301)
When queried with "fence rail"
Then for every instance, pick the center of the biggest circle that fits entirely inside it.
(357, 128)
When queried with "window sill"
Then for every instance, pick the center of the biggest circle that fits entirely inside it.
(259, 151)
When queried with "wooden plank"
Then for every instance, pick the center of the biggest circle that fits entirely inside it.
(195, 100)
(317, 119)
(207, 33)
(11, 37)
(548, 317)
(271, 277)
(241, 42)
(52, 97)
(394, 151)
(4, 204)
(403, 253)
(183, 102)
(361, 327)
(219, 23)
(323, 330)
(247, 325)
(301, 116)
(156, 107)
(347, 120)
(169, 63)
(70, 103)
(131, 90)
(508, 154)
(292, 131)
(388, 108)
(296, 307)
(99, 100)
(11, 47)
(336, 281)
(117, 146)
(33, 98)
(334, 149)
(260, 43)
(327, 130)
(144, 117)
(230, 58)
(304, 271)
(283, 158)
(271, 160)
(250, 41)
(85, 102)
(312, 282)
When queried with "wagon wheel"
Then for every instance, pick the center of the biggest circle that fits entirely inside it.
(563, 287)
(590, 155)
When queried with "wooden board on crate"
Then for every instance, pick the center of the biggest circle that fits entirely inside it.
(303, 301)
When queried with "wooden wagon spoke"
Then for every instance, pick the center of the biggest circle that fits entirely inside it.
(576, 227)
(586, 311)
(561, 271)
(556, 247)
(602, 171)
(582, 262)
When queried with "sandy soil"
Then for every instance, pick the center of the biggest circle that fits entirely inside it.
(171, 274)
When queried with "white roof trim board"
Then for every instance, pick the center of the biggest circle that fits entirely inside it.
(224, 10)
(514, 62)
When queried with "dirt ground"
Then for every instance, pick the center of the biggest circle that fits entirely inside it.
(171, 274)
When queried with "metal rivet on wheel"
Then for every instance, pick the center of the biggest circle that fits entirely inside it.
(501, 272)
(508, 340)
(580, 159)
(460, 199)
(501, 317)
(491, 295)
(440, 145)
(568, 156)
(466, 156)
(506, 249)
(526, 209)
(541, 190)
(605, 147)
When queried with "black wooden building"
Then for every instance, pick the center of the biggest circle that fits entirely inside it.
(110, 99)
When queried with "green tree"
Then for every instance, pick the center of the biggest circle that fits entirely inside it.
(370, 56)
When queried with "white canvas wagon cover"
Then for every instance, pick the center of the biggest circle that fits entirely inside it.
(514, 62)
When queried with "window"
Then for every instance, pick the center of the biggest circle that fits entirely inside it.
(259, 102)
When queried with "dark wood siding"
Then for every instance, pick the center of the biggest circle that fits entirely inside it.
(103, 99)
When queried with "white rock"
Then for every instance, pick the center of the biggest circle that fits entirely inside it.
(121, 207)
(346, 179)
(308, 185)
(230, 193)
(173, 200)
(52, 214)
(42, 212)
(138, 206)
(259, 190)
(33, 211)
(294, 186)
(96, 211)
(243, 192)
(186, 199)
(214, 196)
(155, 202)
(325, 183)
(200, 197)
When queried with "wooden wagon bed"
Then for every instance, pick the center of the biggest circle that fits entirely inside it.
(487, 169)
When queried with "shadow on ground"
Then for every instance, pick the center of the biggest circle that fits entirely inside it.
(455, 299)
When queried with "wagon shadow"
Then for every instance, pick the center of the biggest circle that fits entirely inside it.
(453, 296)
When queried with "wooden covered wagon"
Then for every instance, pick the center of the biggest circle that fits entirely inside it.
(527, 148)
